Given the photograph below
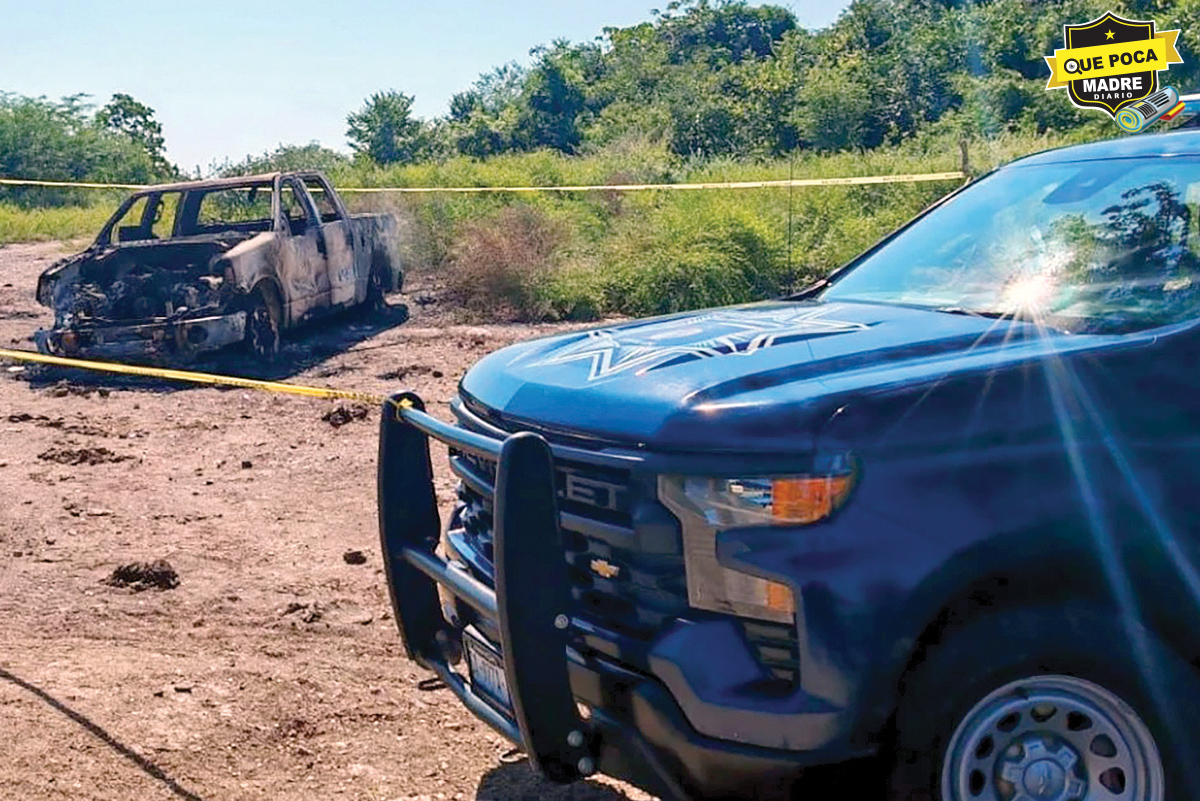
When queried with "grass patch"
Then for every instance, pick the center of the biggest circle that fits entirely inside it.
(56, 223)
(582, 255)
(498, 264)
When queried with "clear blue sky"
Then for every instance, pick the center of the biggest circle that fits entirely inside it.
(228, 79)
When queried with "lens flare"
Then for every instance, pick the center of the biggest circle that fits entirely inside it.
(1067, 391)
(1029, 292)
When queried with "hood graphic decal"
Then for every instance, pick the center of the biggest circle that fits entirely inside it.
(611, 351)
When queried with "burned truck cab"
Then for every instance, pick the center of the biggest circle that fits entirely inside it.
(151, 286)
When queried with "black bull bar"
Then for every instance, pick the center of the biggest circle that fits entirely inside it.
(531, 601)
(647, 741)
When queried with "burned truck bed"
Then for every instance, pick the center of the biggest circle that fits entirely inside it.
(186, 268)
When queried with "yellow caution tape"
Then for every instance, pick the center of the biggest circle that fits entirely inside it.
(194, 377)
(787, 182)
(69, 184)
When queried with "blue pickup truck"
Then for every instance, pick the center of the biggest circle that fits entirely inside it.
(939, 512)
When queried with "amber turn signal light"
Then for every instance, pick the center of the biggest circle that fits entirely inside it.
(808, 499)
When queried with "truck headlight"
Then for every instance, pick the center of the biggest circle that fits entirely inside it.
(791, 500)
(706, 506)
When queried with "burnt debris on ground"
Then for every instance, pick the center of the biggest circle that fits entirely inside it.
(63, 389)
(82, 456)
(344, 414)
(43, 421)
(400, 373)
(138, 576)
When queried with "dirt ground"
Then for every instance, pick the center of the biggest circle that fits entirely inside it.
(273, 669)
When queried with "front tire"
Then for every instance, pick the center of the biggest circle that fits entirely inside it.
(262, 330)
(1048, 705)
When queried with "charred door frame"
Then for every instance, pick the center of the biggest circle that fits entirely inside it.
(307, 288)
(340, 256)
(104, 238)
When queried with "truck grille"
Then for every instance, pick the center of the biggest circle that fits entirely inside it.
(624, 591)
(619, 589)
(633, 594)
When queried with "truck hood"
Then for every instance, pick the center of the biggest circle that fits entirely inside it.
(761, 376)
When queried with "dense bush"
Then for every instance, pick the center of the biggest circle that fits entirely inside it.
(499, 262)
(695, 252)
(70, 141)
(561, 255)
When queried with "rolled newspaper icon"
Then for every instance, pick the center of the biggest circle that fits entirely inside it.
(1136, 117)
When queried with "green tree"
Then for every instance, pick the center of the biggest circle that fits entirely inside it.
(385, 131)
(835, 112)
(483, 119)
(555, 95)
(126, 116)
(48, 140)
(698, 76)
(629, 91)
(289, 158)
(722, 32)
(492, 93)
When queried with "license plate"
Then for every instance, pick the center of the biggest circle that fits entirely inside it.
(487, 672)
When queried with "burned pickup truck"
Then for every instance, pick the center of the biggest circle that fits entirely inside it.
(191, 267)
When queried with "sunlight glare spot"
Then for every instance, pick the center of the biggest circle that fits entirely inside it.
(1030, 292)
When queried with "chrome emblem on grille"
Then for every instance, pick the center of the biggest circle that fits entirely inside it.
(593, 492)
(605, 569)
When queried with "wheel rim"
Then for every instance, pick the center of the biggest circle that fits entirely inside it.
(1052, 738)
(263, 338)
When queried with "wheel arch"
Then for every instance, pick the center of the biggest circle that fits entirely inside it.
(984, 657)
(267, 287)
(1040, 570)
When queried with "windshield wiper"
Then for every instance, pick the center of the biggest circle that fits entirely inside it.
(1015, 315)
(991, 314)
(808, 291)
(957, 310)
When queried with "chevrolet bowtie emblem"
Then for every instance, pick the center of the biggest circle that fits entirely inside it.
(605, 569)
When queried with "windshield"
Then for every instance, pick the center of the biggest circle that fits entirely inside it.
(1098, 247)
(243, 207)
